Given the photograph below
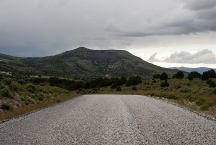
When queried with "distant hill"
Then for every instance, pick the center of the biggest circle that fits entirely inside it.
(198, 69)
(83, 62)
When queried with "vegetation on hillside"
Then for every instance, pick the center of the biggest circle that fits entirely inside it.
(82, 63)
(190, 90)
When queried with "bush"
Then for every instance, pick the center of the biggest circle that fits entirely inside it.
(214, 91)
(27, 100)
(185, 90)
(134, 80)
(179, 75)
(200, 101)
(123, 80)
(165, 95)
(113, 86)
(30, 87)
(118, 89)
(189, 97)
(5, 92)
(163, 76)
(193, 75)
(165, 84)
(15, 86)
(209, 74)
(211, 83)
(6, 107)
(204, 106)
(190, 78)
(7, 81)
(134, 88)
(154, 81)
(38, 97)
(178, 86)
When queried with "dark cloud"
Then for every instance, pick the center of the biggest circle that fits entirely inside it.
(200, 4)
(184, 57)
(45, 27)
(201, 19)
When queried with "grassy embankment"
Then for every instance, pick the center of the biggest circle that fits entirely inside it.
(196, 94)
(17, 99)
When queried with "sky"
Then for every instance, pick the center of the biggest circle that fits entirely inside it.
(164, 32)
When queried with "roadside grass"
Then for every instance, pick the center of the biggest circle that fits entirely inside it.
(20, 98)
(17, 98)
(195, 94)
(32, 107)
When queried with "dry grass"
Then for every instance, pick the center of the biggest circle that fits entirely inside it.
(29, 108)
(195, 94)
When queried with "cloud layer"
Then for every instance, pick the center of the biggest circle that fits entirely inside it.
(44, 27)
(184, 57)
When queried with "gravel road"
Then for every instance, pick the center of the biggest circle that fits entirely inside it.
(110, 120)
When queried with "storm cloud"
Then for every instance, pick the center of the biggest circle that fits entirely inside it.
(196, 16)
(45, 27)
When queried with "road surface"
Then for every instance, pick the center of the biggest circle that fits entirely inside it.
(110, 120)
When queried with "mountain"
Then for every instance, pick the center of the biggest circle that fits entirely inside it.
(83, 62)
(198, 69)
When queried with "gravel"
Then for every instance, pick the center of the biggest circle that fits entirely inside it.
(110, 120)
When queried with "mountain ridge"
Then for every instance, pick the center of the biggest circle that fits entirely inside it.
(83, 62)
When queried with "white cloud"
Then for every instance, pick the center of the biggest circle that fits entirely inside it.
(184, 57)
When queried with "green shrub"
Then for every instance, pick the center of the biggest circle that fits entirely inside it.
(204, 106)
(134, 80)
(163, 76)
(170, 96)
(30, 87)
(27, 100)
(179, 75)
(154, 81)
(190, 77)
(185, 90)
(15, 86)
(7, 81)
(38, 97)
(134, 88)
(114, 86)
(211, 83)
(214, 91)
(164, 84)
(200, 101)
(118, 89)
(5, 92)
(6, 107)
(1, 85)
(178, 86)
(189, 97)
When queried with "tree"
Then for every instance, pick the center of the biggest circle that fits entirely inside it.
(193, 75)
(163, 76)
(134, 80)
(179, 75)
(190, 77)
(209, 74)
(123, 80)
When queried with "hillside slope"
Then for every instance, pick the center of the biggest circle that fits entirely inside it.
(83, 62)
